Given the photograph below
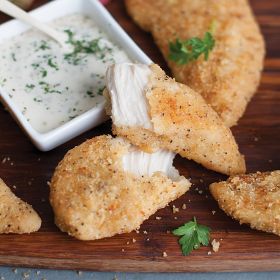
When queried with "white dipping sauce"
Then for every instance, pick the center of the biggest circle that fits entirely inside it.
(49, 86)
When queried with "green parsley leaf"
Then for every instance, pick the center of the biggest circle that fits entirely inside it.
(44, 72)
(52, 64)
(43, 46)
(193, 235)
(183, 52)
(29, 87)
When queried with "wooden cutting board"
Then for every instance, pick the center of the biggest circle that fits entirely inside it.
(242, 249)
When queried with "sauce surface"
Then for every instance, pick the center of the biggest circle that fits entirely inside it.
(51, 87)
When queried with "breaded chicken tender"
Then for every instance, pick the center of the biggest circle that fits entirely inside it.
(155, 112)
(16, 216)
(252, 199)
(232, 73)
(106, 186)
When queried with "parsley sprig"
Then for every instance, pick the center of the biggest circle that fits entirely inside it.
(193, 235)
(183, 52)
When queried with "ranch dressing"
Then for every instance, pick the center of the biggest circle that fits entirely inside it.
(51, 87)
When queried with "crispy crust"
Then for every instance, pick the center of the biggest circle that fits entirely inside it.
(93, 197)
(184, 124)
(16, 216)
(252, 199)
(231, 76)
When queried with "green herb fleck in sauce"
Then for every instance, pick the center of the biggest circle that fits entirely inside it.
(44, 73)
(90, 93)
(37, 100)
(13, 55)
(100, 91)
(24, 110)
(52, 64)
(2, 83)
(43, 46)
(82, 47)
(48, 88)
(29, 87)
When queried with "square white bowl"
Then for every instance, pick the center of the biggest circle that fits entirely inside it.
(96, 115)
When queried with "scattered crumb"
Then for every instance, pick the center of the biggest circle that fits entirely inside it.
(25, 275)
(201, 180)
(175, 218)
(79, 273)
(48, 183)
(256, 139)
(158, 218)
(196, 189)
(122, 249)
(39, 159)
(168, 231)
(115, 277)
(209, 253)
(133, 240)
(15, 271)
(148, 239)
(145, 232)
(2, 278)
(4, 160)
(175, 209)
(200, 191)
(184, 206)
(14, 187)
(12, 163)
(164, 254)
(127, 243)
(189, 200)
(215, 245)
(137, 231)
(213, 212)
(38, 272)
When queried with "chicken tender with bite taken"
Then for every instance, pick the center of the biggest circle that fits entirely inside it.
(155, 112)
(106, 187)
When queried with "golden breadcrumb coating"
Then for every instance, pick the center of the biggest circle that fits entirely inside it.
(93, 197)
(232, 73)
(16, 216)
(252, 199)
(185, 124)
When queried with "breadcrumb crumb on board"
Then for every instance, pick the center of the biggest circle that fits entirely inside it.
(215, 245)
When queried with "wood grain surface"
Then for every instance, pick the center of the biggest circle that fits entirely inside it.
(242, 249)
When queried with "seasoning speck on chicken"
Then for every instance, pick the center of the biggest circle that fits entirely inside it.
(106, 186)
(252, 199)
(155, 112)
